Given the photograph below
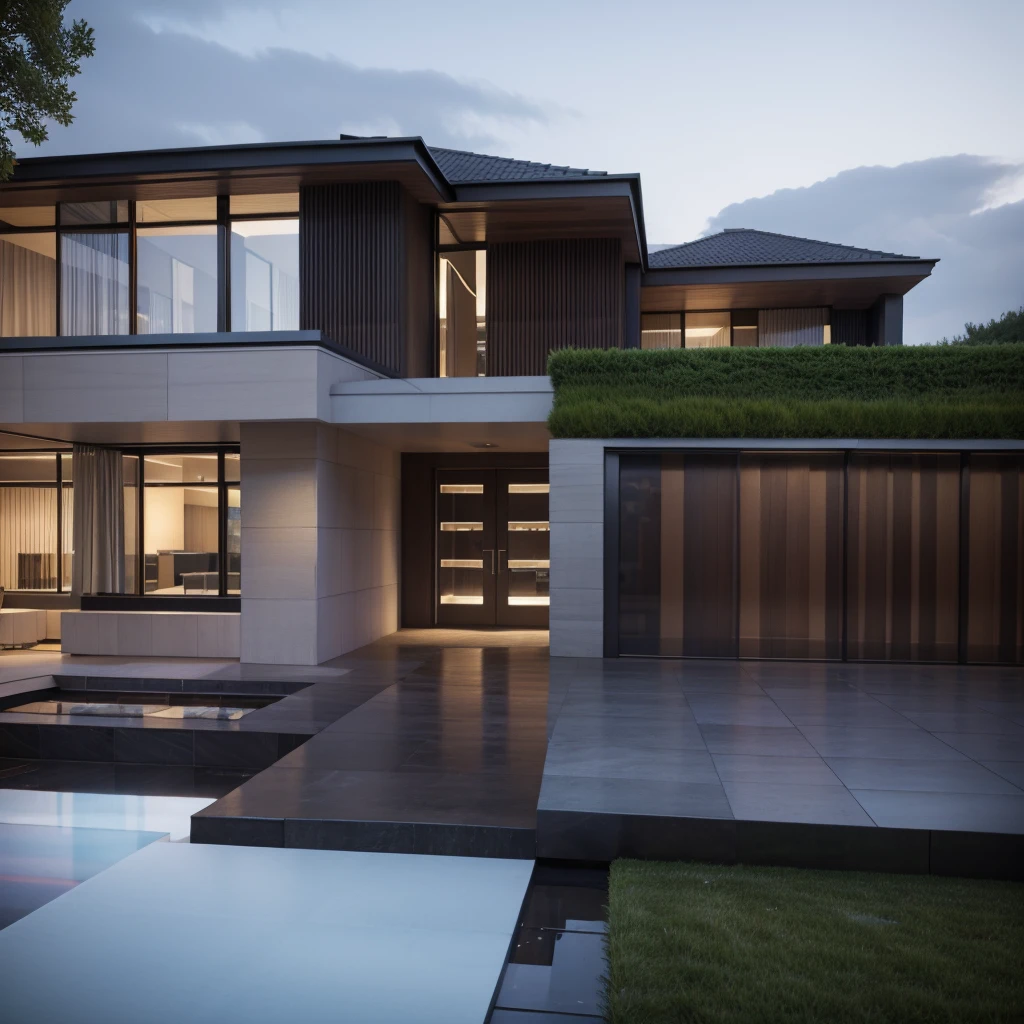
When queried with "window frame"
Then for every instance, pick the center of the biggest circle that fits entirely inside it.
(131, 226)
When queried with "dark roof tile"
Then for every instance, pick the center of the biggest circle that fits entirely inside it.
(744, 247)
(460, 167)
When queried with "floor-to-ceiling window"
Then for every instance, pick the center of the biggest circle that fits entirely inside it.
(154, 266)
(265, 262)
(191, 523)
(28, 272)
(821, 555)
(176, 246)
(462, 311)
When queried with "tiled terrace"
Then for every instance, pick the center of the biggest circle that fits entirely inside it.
(477, 743)
(897, 767)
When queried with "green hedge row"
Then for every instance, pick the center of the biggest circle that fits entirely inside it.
(943, 392)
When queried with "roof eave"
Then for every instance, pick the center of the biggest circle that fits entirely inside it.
(666, 276)
(34, 172)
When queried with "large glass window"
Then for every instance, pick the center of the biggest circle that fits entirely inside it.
(28, 522)
(94, 282)
(154, 266)
(265, 275)
(177, 280)
(462, 312)
(28, 284)
(185, 503)
(707, 330)
(661, 330)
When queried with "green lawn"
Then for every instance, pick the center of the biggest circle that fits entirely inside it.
(691, 942)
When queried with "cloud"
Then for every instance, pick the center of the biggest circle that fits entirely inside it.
(932, 208)
(148, 88)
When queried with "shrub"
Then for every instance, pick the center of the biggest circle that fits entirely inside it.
(942, 392)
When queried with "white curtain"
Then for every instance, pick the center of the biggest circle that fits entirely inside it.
(94, 283)
(788, 328)
(98, 563)
(28, 283)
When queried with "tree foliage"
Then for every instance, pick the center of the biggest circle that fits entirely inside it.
(1007, 330)
(39, 54)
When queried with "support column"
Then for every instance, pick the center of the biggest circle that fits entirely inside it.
(319, 542)
(886, 320)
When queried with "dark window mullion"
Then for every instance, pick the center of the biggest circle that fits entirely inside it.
(222, 527)
(60, 523)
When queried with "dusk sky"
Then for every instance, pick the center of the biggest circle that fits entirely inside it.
(895, 125)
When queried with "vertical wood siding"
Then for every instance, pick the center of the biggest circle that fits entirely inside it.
(543, 296)
(351, 268)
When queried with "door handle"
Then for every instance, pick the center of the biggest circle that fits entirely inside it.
(502, 551)
(490, 551)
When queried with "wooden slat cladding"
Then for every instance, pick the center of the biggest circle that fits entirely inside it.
(995, 566)
(790, 556)
(365, 271)
(902, 552)
(543, 296)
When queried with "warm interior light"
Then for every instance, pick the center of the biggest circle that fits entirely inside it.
(255, 228)
(462, 563)
(528, 525)
(462, 488)
(529, 563)
(530, 599)
(529, 488)
(460, 527)
(460, 599)
(703, 332)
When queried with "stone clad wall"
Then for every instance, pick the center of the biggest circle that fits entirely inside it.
(319, 542)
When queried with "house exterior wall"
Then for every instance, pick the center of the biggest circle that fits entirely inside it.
(543, 296)
(366, 259)
(990, 552)
(576, 515)
(319, 542)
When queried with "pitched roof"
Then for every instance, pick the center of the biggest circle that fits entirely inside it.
(460, 167)
(745, 247)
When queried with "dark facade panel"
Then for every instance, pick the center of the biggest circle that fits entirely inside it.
(365, 272)
(543, 296)
(995, 559)
(849, 326)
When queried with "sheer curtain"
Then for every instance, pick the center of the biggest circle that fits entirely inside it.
(788, 328)
(27, 287)
(94, 283)
(98, 562)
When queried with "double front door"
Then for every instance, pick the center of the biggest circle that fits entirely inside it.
(492, 543)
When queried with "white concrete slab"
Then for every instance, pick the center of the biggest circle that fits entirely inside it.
(221, 933)
(170, 814)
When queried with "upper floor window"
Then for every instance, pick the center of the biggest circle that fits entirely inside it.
(462, 312)
(154, 266)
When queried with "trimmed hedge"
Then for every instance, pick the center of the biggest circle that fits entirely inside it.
(942, 392)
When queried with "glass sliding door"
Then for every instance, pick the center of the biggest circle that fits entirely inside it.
(466, 552)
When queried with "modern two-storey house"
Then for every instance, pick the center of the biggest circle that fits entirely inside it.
(275, 401)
